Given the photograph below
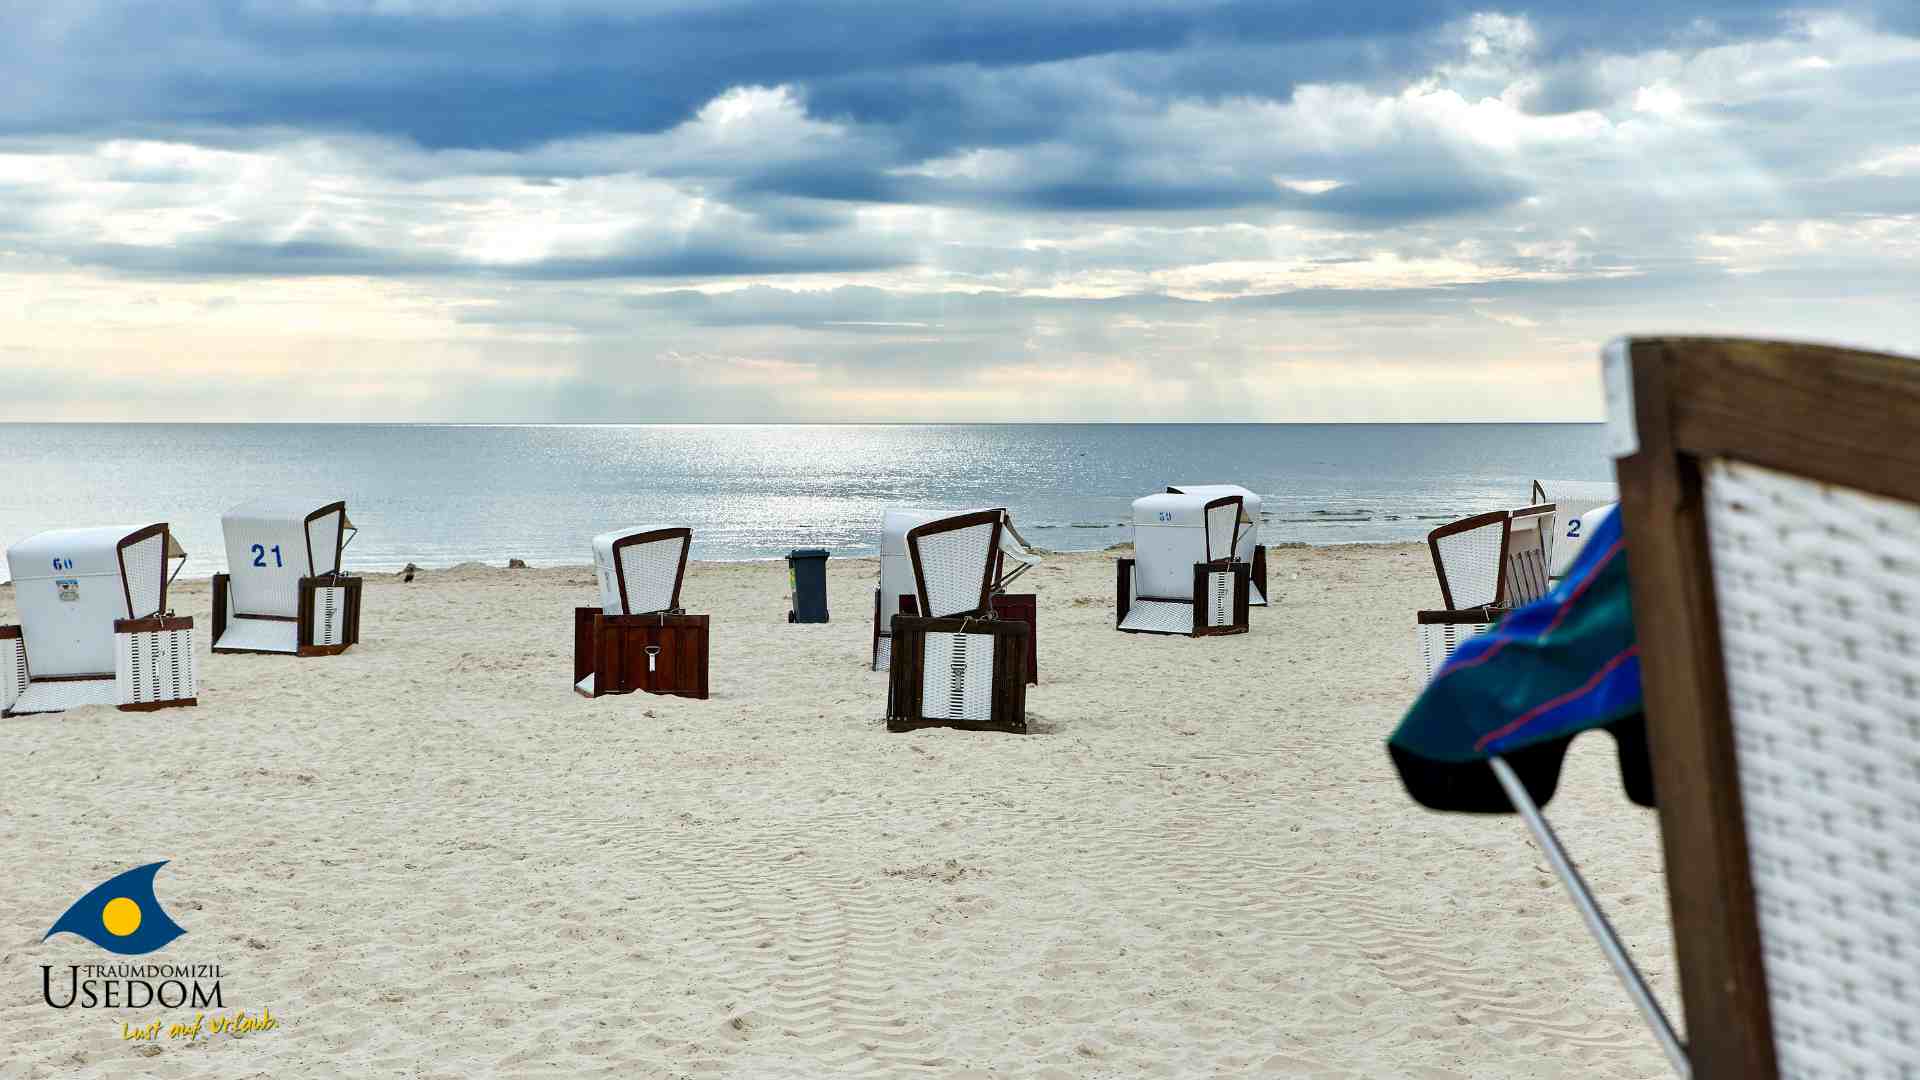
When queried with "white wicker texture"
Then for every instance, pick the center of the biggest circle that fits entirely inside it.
(259, 635)
(650, 570)
(1819, 598)
(146, 570)
(1159, 616)
(1222, 525)
(1472, 562)
(1434, 642)
(1220, 598)
(957, 680)
(329, 615)
(60, 695)
(323, 539)
(957, 564)
(13, 671)
(883, 657)
(153, 665)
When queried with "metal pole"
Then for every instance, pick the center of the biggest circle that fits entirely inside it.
(1596, 920)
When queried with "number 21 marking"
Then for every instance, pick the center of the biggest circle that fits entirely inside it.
(260, 555)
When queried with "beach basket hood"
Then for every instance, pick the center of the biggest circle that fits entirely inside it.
(72, 585)
(1564, 664)
(275, 541)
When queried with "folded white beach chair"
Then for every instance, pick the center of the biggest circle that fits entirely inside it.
(955, 663)
(1249, 549)
(639, 637)
(896, 571)
(284, 591)
(1487, 564)
(1184, 577)
(1497, 559)
(1439, 632)
(1574, 498)
(94, 626)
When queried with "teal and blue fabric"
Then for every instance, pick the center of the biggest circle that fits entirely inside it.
(1564, 664)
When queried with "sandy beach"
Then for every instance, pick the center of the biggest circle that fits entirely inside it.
(429, 858)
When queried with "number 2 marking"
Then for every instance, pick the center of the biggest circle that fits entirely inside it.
(1573, 530)
(260, 555)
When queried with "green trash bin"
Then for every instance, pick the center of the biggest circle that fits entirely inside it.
(807, 585)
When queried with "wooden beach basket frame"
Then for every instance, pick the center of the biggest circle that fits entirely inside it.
(1202, 581)
(616, 649)
(1677, 405)
(684, 535)
(347, 633)
(997, 594)
(1009, 640)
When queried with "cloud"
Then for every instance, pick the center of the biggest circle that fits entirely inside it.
(463, 209)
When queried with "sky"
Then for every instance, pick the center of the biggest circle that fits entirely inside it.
(591, 210)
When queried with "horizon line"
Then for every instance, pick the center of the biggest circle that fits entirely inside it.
(792, 423)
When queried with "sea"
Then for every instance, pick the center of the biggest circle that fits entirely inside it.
(440, 494)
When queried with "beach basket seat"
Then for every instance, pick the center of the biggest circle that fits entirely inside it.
(897, 591)
(1575, 499)
(1184, 577)
(639, 638)
(285, 590)
(955, 663)
(1247, 548)
(94, 626)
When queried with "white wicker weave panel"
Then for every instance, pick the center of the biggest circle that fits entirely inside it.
(957, 680)
(1434, 642)
(650, 570)
(13, 671)
(1159, 617)
(883, 660)
(61, 695)
(260, 635)
(1220, 531)
(1220, 598)
(329, 615)
(146, 569)
(1472, 560)
(153, 665)
(956, 564)
(1819, 596)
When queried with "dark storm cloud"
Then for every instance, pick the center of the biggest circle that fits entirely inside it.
(911, 83)
(480, 75)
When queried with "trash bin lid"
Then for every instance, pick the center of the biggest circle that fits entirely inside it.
(809, 553)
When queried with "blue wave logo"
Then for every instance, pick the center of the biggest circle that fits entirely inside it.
(121, 915)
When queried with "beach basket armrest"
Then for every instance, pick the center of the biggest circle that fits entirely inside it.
(1490, 613)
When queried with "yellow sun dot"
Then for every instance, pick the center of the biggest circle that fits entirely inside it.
(122, 916)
